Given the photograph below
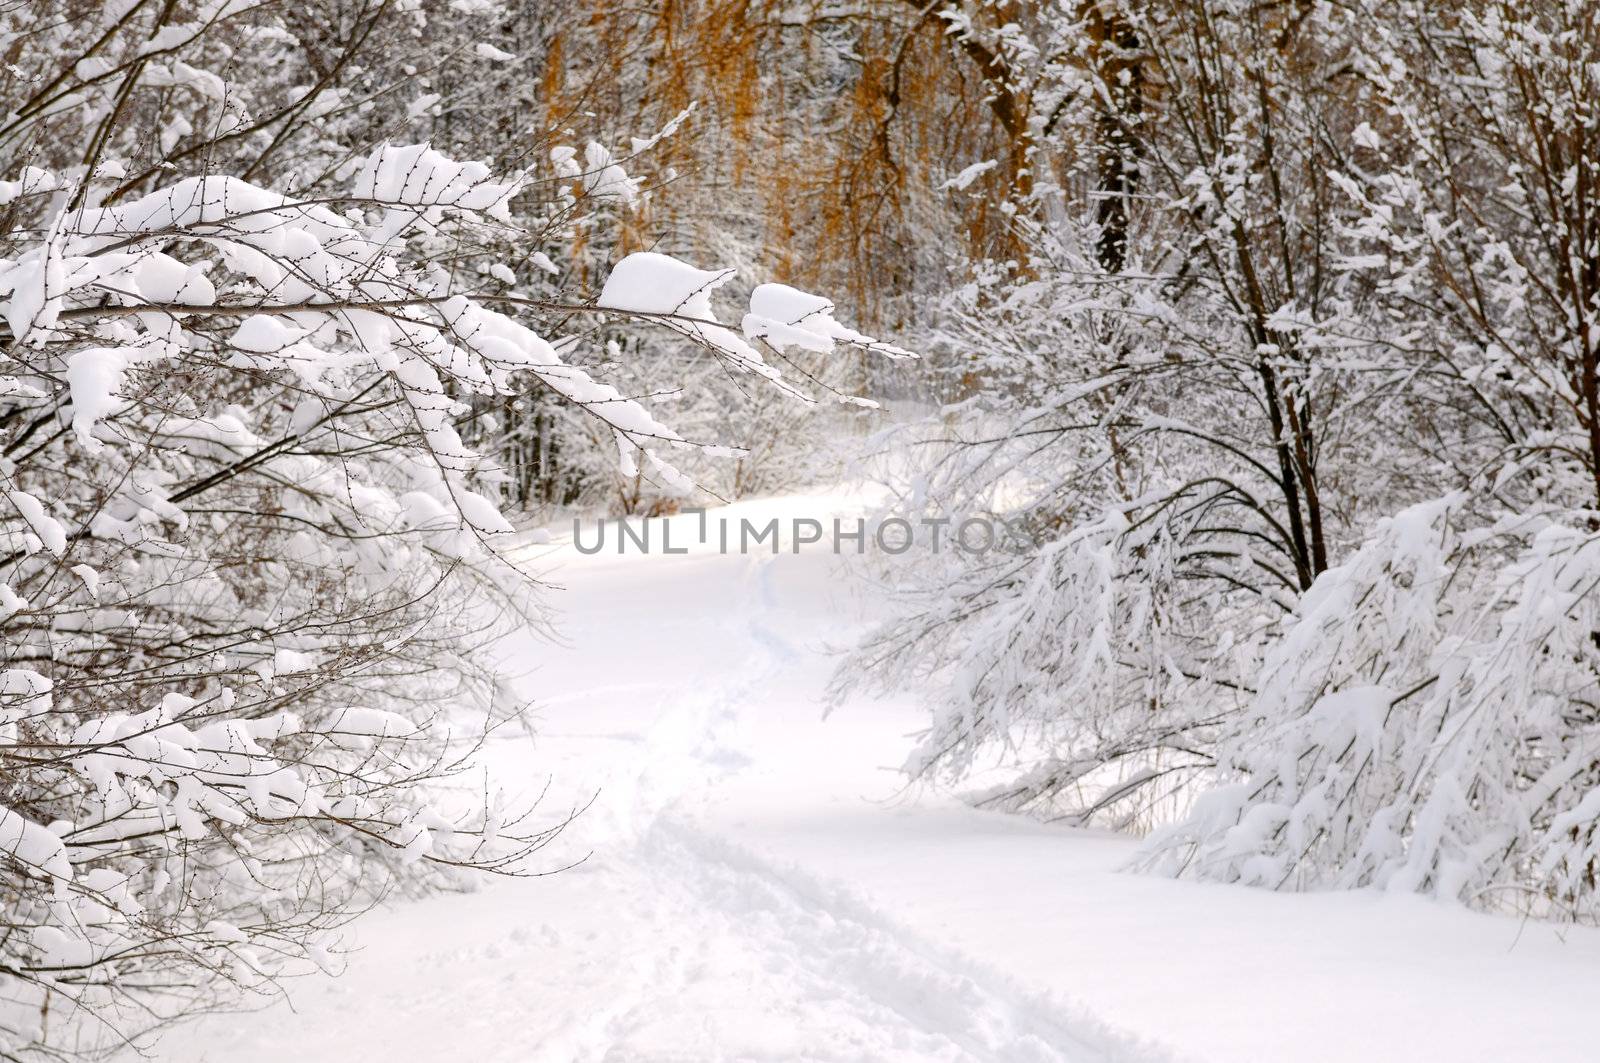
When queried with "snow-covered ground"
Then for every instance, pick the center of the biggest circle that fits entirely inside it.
(761, 888)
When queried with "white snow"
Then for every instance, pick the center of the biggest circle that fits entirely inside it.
(417, 175)
(35, 847)
(646, 282)
(264, 334)
(94, 377)
(968, 175)
(488, 51)
(371, 723)
(761, 886)
(653, 283)
(46, 527)
(789, 317)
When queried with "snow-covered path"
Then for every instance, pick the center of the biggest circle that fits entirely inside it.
(760, 889)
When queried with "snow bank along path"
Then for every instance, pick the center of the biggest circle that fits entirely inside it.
(761, 888)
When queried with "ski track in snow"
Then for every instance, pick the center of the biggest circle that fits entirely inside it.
(831, 977)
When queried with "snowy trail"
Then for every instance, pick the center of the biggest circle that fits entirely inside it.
(760, 889)
(670, 942)
(771, 964)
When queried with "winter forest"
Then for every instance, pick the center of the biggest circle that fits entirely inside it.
(720, 530)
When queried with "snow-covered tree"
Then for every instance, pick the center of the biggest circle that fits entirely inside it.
(1307, 463)
(1426, 719)
(1177, 403)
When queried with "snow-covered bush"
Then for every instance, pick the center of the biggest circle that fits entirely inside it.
(1080, 657)
(1338, 728)
(1415, 732)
